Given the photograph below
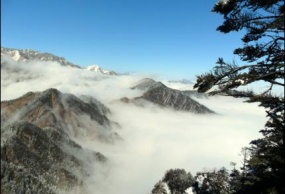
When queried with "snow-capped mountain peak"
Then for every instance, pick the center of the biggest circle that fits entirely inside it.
(94, 68)
(97, 68)
(27, 55)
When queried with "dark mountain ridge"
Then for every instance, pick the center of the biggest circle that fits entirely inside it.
(159, 94)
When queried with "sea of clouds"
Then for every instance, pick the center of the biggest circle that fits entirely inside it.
(154, 139)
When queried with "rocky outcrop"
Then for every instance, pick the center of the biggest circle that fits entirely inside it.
(161, 95)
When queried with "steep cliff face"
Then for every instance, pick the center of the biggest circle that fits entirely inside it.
(159, 94)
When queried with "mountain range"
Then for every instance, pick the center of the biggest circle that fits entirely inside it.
(32, 55)
(27, 55)
(40, 129)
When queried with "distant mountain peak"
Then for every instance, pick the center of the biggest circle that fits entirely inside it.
(161, 95)
(98, 69)
(148, 83)
(93, 67)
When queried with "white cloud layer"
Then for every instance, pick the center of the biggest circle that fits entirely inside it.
(155, 139)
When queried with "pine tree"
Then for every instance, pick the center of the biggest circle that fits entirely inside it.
(267, 166)
(263, 54)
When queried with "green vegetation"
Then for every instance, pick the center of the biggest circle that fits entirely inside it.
(263, 52)
(263, 162)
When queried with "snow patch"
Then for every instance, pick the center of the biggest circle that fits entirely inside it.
(16, 56)
(98, 69)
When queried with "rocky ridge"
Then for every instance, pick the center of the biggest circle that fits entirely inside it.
(29, 55)
(161, 95)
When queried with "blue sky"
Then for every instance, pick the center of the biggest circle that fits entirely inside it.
(172, 38)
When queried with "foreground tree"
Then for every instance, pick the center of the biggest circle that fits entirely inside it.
(212, 182)
(263, 54)
(178, 180)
